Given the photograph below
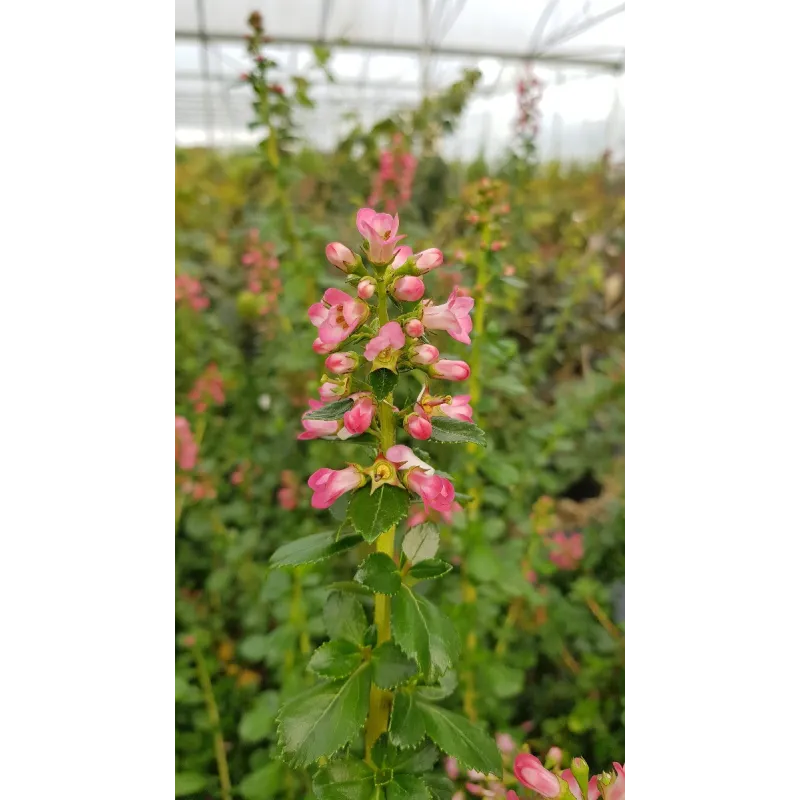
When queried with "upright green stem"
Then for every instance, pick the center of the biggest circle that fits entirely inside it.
(213, 715)
(380, 700)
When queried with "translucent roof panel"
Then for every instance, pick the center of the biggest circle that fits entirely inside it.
(387, 55)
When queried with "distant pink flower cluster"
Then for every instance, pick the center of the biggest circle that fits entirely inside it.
(189, 292)
(208, 389)
(529, 98)
(262, 276)
(566, 549)
(287, 494)
(392, 184)
(186, 449)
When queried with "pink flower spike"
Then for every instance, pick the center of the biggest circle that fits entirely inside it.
(418, 426)
(359, 417)
(424, 354)
(414, 328)
(408, 289)
(429, 259)
(341, 363)
(533, 775)
(329, 485)
(401, 256)
(390, 337)
(450, 370)
(340, 256)
(366, 288)
(436, 492)
(403, 457)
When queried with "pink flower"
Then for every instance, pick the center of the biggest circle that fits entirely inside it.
(452, 317)
(566, 551)
(505, 744)
(409, 289)
(329, 485)
(208, 388)
(418, 426)
(418, 515)
(424, 354)
(337, 316)
(390, 337)
(287, 498)
(511, 795)
(555, 755)
(401, 256)
(186, 449)
(476, 789)
(458, 408)
(531, 773)
(317, 428)
(414, 328)
(429, 259)
(450, 763)
(189, 291)
(330, 391)
(341, 363)
(359, 417)
(341, 257)
(615, 790)
(450, 370)
(321, 347)
(594, 792)
(436, 492)
(366, 288)
(403, 457)
(237, 476)
(380, 231)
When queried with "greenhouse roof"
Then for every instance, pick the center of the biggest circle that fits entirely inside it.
(388, 55)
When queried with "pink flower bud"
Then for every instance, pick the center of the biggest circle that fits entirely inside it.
(366, 288)
(450, 763)
(511, 795)
(424, 354)
(341, 363)
(359, 417)
(450, 370)
(340, 256)
(505, 744)
(436, 492)
(554, 754)
(414, 328)
(409, 289)
(418, 426)
(497, 246)
(323, 347)
(329, 485)
(429, 259)
(533, 775)
(330, 391)
(475, 788)
(509, 269)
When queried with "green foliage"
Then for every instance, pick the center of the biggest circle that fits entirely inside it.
(390, 667)
(379, 573)
(445, 429)
(335, 410)
(311, 549)
(335, 659)
(421, 542)
(382, 382)
(429, 568)
(373, 513)
(345, 618)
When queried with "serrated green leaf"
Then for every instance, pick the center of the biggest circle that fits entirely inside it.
(264, 783)
(189, 783)
(446, 686)
(311, 549)
(424, 633)
(407, 787)
(325, 719)
(439, 786)
(459, 738)
(416, 761)
(379, 573)
(445, 429)
(344, 780)
(373, 514)
(344, 617)
(406, 725)
(335, 410)
(390, 667)
(430, 568)
(259, 722)
(382, 382)
(421, 542)
(335, 659)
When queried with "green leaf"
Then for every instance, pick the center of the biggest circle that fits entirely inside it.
(390, 667)
(430, 568)
(344, 780)
(189, 783)
(344, 617)
(439, 786)
(311, 549)
(458, 737)
(421, 542)
(445, 429)
(379, 573)
(406, 725)
(500, 472)
(373, 514)
(446, 686)
(334, 410)
(382, 382)
(503, 681)
(325, 719)
(424, 633)
(407, 787)
(264, 783)
(416, 761)
(259, 722)
(335, 659)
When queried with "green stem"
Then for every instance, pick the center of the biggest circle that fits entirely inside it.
(213, 715)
